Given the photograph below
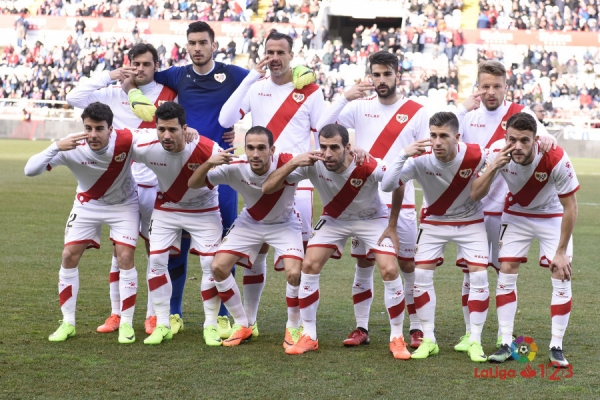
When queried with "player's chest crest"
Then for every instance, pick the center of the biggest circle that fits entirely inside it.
(193, 166)
(465, 173)
(503, 125)
(121, 157)
(541, 176)
(298, 97)
(220, 77)
(401, 118)
(356, 182)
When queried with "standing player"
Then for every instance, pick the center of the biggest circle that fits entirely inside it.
(448, 215)
(105, 195)
(540, 204)
(352, 208)
(266, 218)
(144, 63)
(177, 207)
(385, 123)
(290, 114)
(484, 126)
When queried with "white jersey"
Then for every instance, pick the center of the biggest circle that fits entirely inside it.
(351, 195)
(261, 208)
(173, 171)
(382, 130)
(534, 189)
(103, 177)
(484, 127)
(290, 114)
(446, 186)
(95, 89)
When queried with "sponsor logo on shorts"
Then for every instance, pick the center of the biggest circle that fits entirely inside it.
(355, 243)
(121, 157)
(298, 97)
(541, 176)
(416, 248)
(293, 249)
(356, 182)
(220, 77)
(500, 244)
(465, 173)
(402, 118)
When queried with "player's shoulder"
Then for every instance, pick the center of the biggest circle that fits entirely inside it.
(497, 146)
(282, 158)
(231, 68)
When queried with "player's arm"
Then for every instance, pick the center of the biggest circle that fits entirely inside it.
(391, 230)
(40, 162)
(276, 180)
(561, 264)
(234, 106)
(335, 112)
(494, 161)
(547, 141)
(198, 178)
(393, 175)
(89, 91)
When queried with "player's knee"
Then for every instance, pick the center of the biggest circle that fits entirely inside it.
(158, 263)
(389, 271)
(125, 258)
(407, 266)
(292, 273)
(70, 257)
(310, 266)
(220, 270)
(364, 263)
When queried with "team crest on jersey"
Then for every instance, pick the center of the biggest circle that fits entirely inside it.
(298, 97)
(161, 102)
(121, 157)
(503, 125)
(220, 78)
(402, 118)
(193, 166)
(465, 173)
(356, 182)
(354, 243)
(541, 176)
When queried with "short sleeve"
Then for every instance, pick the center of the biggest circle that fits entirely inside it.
(218, 176)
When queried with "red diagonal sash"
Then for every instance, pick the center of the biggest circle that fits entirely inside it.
(122, 148)
(265, 204)
(166, 94)
(394, 128)
(501, 129)
(460, 181)
(288, 109)
(350, 190)
(538, 180)
(179, 187)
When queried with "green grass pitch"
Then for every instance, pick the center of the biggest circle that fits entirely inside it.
(33, 212)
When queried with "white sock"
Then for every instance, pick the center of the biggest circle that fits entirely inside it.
(115, 299)
(128, 284)
(68, 288)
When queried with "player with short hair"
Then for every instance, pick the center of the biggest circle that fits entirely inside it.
(177, 207)
(384, 123)
(100, 159)
(448, 215)
(143, 60)
(540, 204)
(482, 118)
(266, 218)
(348, 189)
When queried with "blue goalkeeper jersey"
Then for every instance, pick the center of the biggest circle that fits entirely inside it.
(203, 96)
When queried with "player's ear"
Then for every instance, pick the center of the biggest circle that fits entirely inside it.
(272, 151)
(457, 136)
(184, 128)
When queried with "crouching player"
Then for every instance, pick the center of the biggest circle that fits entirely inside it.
(448, 215)
(541, 204)
(349, 190)
(266, 219)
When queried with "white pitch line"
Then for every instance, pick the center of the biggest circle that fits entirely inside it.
(589, 204)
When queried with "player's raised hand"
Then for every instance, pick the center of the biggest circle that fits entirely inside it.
(418, 147)
(502, 158)
(561, 267)
(229, 136)
(392, 234)
(307, 159)
(547, 143)
(222, 157)
(70, 142)
(361, 155)
(358, 91)
(261, 66)
(473, 102)
(190, 134)
(120, 74)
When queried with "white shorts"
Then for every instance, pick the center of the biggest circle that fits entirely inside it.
(407, 232)
(84, 224)
(204, 228)
(492, 228)
(147, 197)
(517, 233)
(303, 203)
(245, 238)
(471, 240)
(333, 234)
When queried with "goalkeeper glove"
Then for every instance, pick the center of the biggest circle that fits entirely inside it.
(140, 105)
(302, 76)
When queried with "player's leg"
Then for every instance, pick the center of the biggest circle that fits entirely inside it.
(560, 306)
(228, 205)
(303, 204)
(407, 232)
(146, 196)
(178, 266)
(114, 320)
(492, 228)
(362, 294)
(254, 283)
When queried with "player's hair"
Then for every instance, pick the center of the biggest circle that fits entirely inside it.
(142, 48)
(522, 122)
(171, 110)
(536, 105)
(444, 118)
(274, 35)
(98, 112)
(491, 67)
(201, 26)
(383, 58)
(333, 130)
(261, 130)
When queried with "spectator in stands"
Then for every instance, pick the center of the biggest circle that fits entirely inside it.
(483, 22)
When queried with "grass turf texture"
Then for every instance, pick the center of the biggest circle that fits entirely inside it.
(92, 365)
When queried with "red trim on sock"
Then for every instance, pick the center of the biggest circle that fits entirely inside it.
(560, 309)
(503, 299)
(128, 303)
(65, 295)
(114, 277)
(292, 302)
(396, 310)
(225, 296)
(360, 297)
(156, 282)
(253, 279)
(422, 300)
(209, 293)
(309, 300)
(411, 309)
(479, 305)
(465, 300)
